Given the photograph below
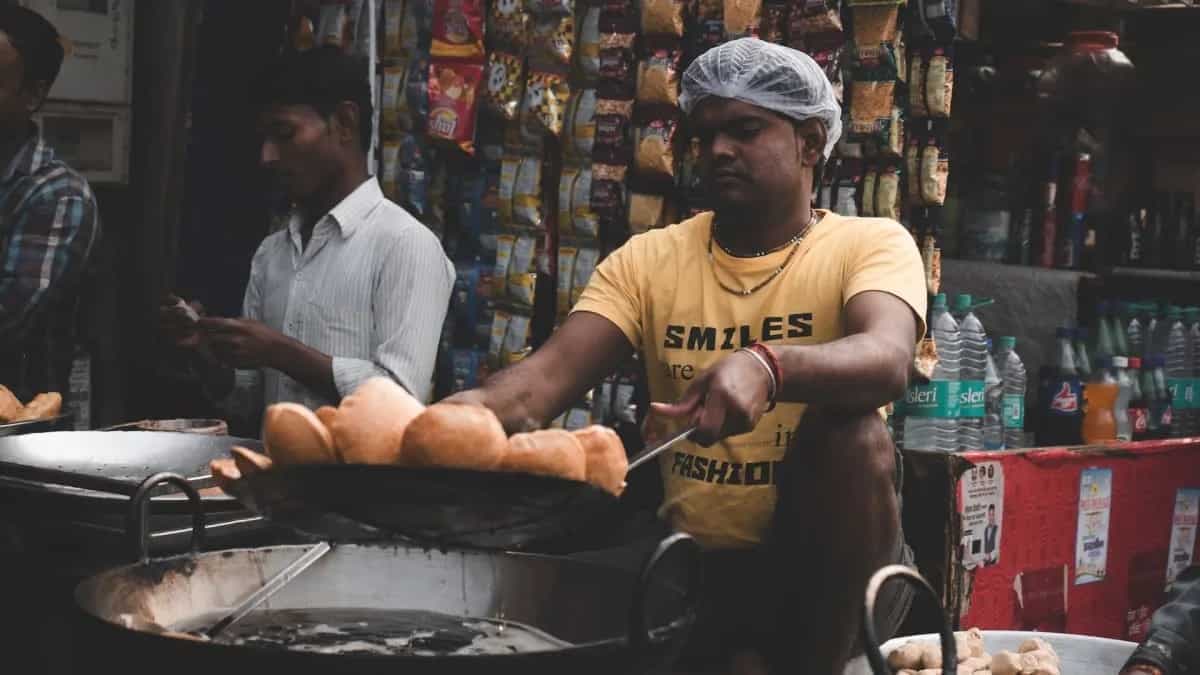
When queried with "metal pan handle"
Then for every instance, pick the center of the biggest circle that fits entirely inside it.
(138, 519)
(871, 640)
(639, 621)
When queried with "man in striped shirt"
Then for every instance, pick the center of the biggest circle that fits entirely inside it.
(48, 217)
(354, 287)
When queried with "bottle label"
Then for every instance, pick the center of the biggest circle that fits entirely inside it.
(935, 399)
(1139, 419)
(1014, 411)
(1183, 393)
(971, 395)
(1066, 399)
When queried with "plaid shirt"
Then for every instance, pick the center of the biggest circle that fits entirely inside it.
(48, 226)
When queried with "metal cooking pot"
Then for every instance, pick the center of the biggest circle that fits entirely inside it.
(615, 621)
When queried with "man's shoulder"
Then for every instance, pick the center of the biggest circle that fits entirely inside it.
(50, 178)
(673, 240)
(840, 225)
(393, 226)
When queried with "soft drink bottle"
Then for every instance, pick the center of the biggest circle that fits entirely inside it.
(1178, 370)
(1152, 330)
(1100, 394)
(1124, 396)
(1082, 359)
(1139, 400)
(1160, 407)
(1134, 330)
(1105, 344)
(1116, 322)
(1061, 412)
(1012, 372)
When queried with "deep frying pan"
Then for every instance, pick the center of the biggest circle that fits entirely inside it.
(447, 507)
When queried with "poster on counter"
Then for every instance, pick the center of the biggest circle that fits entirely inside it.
(982, 514)
(1091, 533)
(1183, 531)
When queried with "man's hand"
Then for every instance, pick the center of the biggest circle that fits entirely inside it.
(178, 321)
(724, 401)
(243, 343)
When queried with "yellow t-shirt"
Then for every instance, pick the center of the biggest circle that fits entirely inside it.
(661, 290)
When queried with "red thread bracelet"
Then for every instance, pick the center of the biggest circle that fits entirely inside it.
(776, 370)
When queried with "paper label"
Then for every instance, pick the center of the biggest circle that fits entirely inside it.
(935, 399)
(1014, 411)
(1091, 534)
(1183, 392)
(982, 514)
(1183, 531)
(970, 398)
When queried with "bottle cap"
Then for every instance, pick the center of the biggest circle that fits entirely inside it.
(1102, 362)
(939, 301)
(1135, 363)
(1081, 333)
(962, 303)
(1008, 342)
(1120, 362)
(1174, 312)
(1064, 333)
(1102, 308)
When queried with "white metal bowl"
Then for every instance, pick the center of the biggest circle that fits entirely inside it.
(1080, 654)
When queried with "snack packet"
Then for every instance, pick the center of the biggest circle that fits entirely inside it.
(662, 17)
(457, 29)
(566, 275)
(658, 77)
(775, 22)
(453, 102)
(617, 66)
(499, 338)
(566, 186)
(584, 222)
(916, 83)
(508, 26)
(505, 82)
(416, 90)
(613, 120)
(552, 45)
(393, 28)
(939, 82)
(608, 193)
(654, 153)
(581, 123)
(645, 212)
(742, 18)
(522, 277)
(545, 108)
(390, 170)
(516, 342)
(589, 44)
(527, 194)
(935, 171)
(585, 264)
(866, 207)
(887, 193)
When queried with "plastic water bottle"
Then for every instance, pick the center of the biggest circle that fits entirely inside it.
(1117, 311)
(993, 403)
(1191, 318)
(1124, 396)
(1012, 373)
(931, 412)
(1139, 399)
(1151, 330)
(1082, 360)
(1160, 408)
(1134, 332)
(1105, 344)
(972, 370)
(1178, 370)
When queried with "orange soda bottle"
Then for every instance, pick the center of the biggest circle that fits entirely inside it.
(1100, 396)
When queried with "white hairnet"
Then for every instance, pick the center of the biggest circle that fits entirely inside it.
(769, 76)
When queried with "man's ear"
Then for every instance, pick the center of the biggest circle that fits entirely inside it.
(38, 91)
(812, 134)
(346, 115)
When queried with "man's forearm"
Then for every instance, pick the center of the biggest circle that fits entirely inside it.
(509, 395)
(305, 365)
(858, 372)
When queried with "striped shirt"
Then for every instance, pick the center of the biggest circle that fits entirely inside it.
(48, 227)
(371, 290)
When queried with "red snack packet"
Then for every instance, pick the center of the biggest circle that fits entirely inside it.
(457, 29)
(454, 102)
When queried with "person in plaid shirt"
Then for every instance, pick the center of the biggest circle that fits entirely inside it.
(48, 217)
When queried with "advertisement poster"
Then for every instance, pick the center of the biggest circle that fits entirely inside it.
(1183, 531)
(982, 514)
(1091, 533)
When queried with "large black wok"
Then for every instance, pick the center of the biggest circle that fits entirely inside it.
(615, 621)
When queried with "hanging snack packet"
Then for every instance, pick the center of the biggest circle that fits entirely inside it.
(935, 171)
(654, 153)
(866, 202)
(516, 343)
(566, 187)
(608, 192)
(545, 109)
(916, 84)
(527, 194)
(645, 212)
(508, 25)
(581, 123)
(584, 222)
(877, 37)
(658, 77)
(815, 25)
(912, 168)
(891, 139)
(412, 184)
(585, 264)
(333, 25)
(871, 103)
(566, 274)
(457, 29)
(706, 34)
(775, 22)
(613, 121)
(505, 79)
(394, 100)
(887, 193)
(662, 17)
(391, 170)
(453, 102)
(942, 18)
(505, 243)
(742, 18)
(939, 82)
(553, 43)
(417, 90)
(500, 322)
(507, 187)
(589, 44)
(543, 8)
(617, 63)
(393, 28)
(522, 277)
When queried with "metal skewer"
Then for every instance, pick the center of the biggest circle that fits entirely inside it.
(268, 589)
(647, 455)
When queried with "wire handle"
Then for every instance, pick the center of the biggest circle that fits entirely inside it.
(871, 646)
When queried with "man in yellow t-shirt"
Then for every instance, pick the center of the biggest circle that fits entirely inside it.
(779, 331)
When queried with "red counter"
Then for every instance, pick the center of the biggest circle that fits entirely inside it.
(1094, 563)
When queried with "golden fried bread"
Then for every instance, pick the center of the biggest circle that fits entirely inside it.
(43, 406)
(369, 425)
(607, 462)
(327, 414)
(550, 452)
(292, 434)
(455, 436)
(10, 405)
(248, 461)
(225, 472)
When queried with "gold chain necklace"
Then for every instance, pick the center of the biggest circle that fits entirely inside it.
(794, 243)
